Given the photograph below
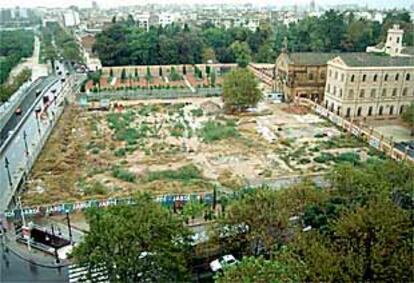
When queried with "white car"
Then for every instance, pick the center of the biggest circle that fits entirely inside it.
(222, 262)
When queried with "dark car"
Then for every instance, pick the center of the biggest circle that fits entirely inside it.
(38, 92)
(62, 80)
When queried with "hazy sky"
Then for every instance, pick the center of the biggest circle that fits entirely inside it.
(112, 3)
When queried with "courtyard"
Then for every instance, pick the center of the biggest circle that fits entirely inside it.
(182, 146)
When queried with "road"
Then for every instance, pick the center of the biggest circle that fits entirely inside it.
(17, 270)
(25, 105)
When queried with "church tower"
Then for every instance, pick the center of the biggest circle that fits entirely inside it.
(393, 45)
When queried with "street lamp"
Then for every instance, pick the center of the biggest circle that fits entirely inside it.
(7, 164)
(69, 227)
(25, 142)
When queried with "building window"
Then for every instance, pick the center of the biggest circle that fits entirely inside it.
(381, 109)
(401, 109)
(362, 93)
(336, 75)
(398, 39)
(370, 111)
(405, 91)
(310, 76)
(352, 78)
(351, 93)
(334, 90)
(397, 76)
(391, 110)
(407, 77)
(394, 92)
(386, 77)
(340, 92)
(359, 111)
(328, 88)
(348, 112)
(373, 92)
(384, 92)
(342, 77)
(322, 75)
(330, 73)
(375, 77)
(364, 78)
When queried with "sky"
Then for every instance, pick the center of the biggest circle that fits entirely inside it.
(112, 3)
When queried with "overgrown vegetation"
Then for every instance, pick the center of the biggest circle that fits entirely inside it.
(215, 130)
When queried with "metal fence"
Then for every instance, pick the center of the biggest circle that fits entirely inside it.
(152, 94)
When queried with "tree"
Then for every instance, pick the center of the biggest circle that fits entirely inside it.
(143, 242)
(123, 75)
(242, 52)
(240, 90)
(408, 117)
(213, 78)
(209, 55)
(252, 269)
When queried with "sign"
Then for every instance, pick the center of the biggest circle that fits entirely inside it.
(355, 131)
(374, 142)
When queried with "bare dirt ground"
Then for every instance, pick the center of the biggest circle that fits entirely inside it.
(180, 146)
(395, 129)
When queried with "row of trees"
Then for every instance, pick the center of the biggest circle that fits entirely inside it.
(358, 229)
(57, 42)
(123, 43)
(14, 45)
(7, 89)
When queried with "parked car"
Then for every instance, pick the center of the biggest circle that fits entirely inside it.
(19, 111)
(220, 263)
(38, 92)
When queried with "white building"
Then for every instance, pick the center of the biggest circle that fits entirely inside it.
(393, 45)
(365, 84)
(71, 18)
(165, 19)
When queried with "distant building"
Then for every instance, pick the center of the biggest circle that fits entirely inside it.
(71, 18)
(393, 45)
(369, 85)
(302, 74)
(95, 5)
(146, 20)
(165, 19)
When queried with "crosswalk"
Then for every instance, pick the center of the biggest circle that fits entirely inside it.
(80, 274)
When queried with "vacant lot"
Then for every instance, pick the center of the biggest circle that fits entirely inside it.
(181, 147)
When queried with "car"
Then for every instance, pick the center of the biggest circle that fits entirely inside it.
(53, 90)
(222, 262)
(38, 92)
(19, 111)
(62, 80)
(59, 73)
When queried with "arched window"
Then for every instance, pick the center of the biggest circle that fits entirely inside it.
(407, 77)
(375, 77)
(391, 110)
(397, 76)
(401, 109)
(394, 92)
(370, 111)
(359, 111)
(351, 93)
(386, 77)
(362, 93)
(398, 39)
(405, 91)
(364, 78)
(381, 109)
(352, 78)
(348, 112)
(384, 92)
(322, 75)
(373, 92)
(340, 92)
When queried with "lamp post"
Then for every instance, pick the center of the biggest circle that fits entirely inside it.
(25, 142)
(7, 165)
(69, 227)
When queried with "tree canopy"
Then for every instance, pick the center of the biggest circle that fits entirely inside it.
(143, 242)
(124, 43)
(240, 90)
(408, 117)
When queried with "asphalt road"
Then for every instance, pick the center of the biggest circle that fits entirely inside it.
(16, 270)
(25, 105)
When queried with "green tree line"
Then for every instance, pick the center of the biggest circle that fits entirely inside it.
(14, 45)
(124, 43)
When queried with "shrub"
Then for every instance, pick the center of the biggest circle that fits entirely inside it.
(121, 152)
(185, 173)
(324, 157)
(197, 112)
(214, 131)
(122, 174)
(351, 157)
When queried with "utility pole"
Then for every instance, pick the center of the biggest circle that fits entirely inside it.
(25, 142)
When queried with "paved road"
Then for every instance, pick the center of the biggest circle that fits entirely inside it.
(16, 270)
(25, 105)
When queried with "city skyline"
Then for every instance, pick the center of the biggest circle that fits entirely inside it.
(280, 3)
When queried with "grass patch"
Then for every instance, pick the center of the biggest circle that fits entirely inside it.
(185, 173)
(215, 131)
(342, 141)
(197, 112)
